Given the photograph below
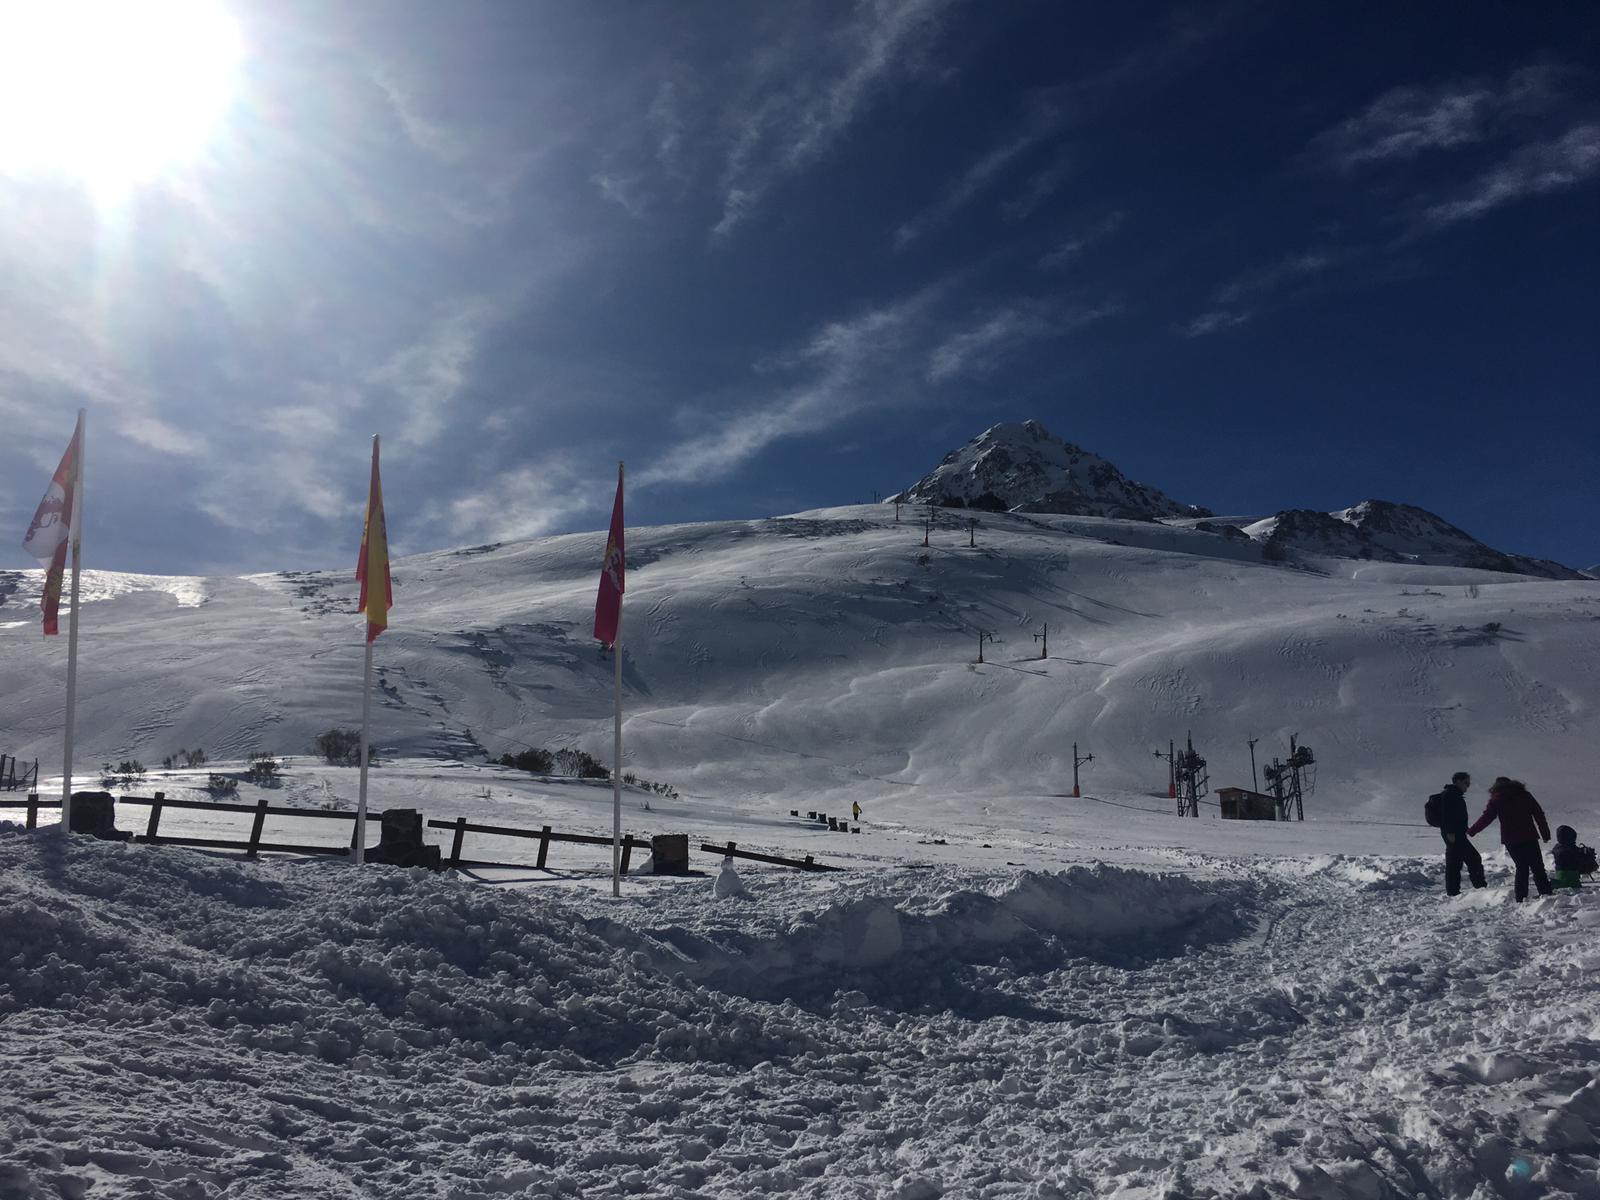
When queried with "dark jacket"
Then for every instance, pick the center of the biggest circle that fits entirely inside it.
(1567, 856)
(1452, 810)
(1521, 818)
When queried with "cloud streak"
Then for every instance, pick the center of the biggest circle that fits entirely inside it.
(803, 97)
(1572, 159)
(1408, 122)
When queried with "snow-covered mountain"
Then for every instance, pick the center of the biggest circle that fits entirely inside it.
(1384, 531)
(1022, 468)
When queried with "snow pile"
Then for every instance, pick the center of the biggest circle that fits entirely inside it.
(181, 1025)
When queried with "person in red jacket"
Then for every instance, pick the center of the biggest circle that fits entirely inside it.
(1522, 827)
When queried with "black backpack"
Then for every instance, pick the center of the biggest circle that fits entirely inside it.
(1433, 810)
(1587, 865)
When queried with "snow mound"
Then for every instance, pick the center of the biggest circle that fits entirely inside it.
(908, 953)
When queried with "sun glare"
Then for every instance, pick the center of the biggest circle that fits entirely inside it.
(112, 92)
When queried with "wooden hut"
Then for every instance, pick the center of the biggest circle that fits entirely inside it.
(1241, 804)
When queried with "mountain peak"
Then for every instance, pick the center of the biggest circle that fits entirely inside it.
(1021, 466)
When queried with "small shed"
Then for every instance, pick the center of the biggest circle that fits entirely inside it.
(1241, 804)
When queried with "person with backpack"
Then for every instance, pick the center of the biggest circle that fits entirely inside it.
(1571, 860)
(1522, 827)
(1448, 810)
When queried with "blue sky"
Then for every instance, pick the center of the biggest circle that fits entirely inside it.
(779, 256)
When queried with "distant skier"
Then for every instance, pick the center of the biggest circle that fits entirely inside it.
(1570, 858)
(1522, 827)
(1448, 810)
(855, 809)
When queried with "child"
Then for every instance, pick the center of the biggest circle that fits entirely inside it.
(1569, 858)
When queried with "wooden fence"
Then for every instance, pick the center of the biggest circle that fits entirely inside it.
(261, 810)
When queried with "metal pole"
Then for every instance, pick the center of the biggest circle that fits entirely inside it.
(616, 748)
(361, 802)
(1075, 769)
(1254, 786)
(72, 626)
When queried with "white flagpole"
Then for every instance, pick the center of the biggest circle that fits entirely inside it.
(616, 748)
(361, 802)
(76, 534)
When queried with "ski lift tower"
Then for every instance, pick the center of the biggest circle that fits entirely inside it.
(1289, 781)
(1192, 779)
(1300, 777)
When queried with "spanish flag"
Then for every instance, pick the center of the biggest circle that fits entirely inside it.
(372, 567)
(54, 527)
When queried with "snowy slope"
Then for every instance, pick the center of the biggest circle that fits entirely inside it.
(1023, 468)
(828, 657)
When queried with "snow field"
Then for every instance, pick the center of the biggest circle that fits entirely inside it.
(179, 1024)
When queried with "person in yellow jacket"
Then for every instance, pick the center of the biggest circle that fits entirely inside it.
(855, 809)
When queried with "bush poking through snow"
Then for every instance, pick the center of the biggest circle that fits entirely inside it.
(263, 769)
(539, 762)
(580, 764)
(125, 774)
(342, 748)
(184, 758)
(222, 785)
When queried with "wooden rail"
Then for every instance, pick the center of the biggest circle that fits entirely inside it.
(731, 850)
(544, 833)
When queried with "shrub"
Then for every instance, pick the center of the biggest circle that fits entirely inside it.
(184, 758)
(540, 762)
(342, 748)
(262, 768)
(580, 763)
(126, 773)
(221, 785)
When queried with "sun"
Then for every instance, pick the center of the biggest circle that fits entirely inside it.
(112, 92)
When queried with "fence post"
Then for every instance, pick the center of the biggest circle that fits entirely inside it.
(810, 862)
(627, 852)
(544, 845)
(455, 846)
(155, 817)
(33, 810)
(255, 829)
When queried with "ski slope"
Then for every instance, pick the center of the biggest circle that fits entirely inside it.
(827, 657)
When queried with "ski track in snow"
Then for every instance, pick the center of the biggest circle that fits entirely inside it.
(180, 1025)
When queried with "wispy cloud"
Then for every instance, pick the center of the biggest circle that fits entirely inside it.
(979, 348)
(1042, 122)
(1567, 161)
(1238, 301)
(428, 376)
(1215, 321)
(1067, 252)
(801, 98)
(1290, 269)
(526, 501)
(1407, 122)
(844, 366)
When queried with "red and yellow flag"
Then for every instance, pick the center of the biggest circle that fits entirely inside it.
(53, 527)
(372, 567)
(608, 604)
